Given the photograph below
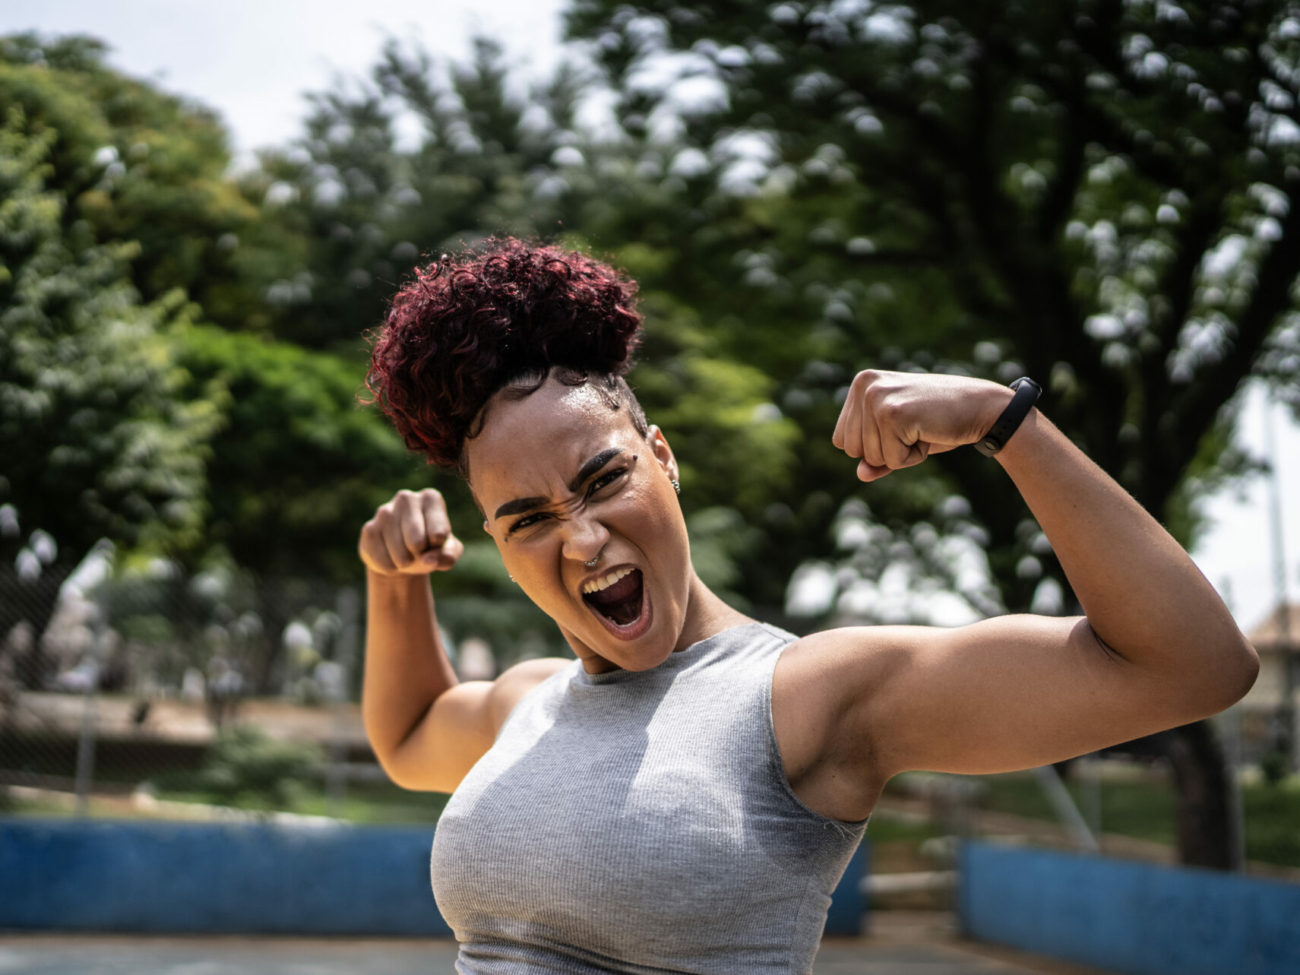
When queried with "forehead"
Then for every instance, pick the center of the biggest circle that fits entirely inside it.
(535, 445)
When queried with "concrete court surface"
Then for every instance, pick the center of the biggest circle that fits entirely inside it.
(901, 943)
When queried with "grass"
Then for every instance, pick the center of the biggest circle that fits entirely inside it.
(370, 803)
(1272, 816)
(1146, 810)
(892, 831)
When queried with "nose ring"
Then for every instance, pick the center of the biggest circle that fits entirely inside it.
(592, 563)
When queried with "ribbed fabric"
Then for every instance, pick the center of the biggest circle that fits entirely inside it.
(641, 822)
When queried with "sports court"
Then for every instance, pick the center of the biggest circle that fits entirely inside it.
(905, 944)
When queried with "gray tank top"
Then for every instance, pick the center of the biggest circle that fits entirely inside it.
(641, 822)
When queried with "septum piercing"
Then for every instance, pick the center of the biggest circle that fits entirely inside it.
(592, 563)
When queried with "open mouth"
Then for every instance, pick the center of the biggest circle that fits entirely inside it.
(621, 600)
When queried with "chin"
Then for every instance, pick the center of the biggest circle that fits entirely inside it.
(627, 629)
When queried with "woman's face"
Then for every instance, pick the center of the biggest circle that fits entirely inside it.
(563, 479)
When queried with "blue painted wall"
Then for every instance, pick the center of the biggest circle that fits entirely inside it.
(847, 915)
(244, 878)
(201, 877)
(1137, 918)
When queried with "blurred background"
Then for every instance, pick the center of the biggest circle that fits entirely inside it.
(204, 209)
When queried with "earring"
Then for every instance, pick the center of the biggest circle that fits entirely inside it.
(512, 579)
(677, 486)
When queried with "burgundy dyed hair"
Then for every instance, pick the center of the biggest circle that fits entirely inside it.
(505, 313)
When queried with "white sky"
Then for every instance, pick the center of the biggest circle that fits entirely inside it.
(253, 59)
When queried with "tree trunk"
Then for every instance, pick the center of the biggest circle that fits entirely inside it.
(1206, 818)
(271, 606)
(1206, 825)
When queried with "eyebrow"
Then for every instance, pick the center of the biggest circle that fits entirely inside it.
(520, 505)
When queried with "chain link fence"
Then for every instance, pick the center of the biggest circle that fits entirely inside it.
(147, 692)
(143, 691)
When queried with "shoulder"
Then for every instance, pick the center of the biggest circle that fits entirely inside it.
(828, 685)
(515, 682)
(846, 661)
(848, 673)
(1005, 693)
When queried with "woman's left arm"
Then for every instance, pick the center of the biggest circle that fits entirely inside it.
(1142, 594)
(1156, 649)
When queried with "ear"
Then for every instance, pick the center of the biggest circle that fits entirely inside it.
(663, 453)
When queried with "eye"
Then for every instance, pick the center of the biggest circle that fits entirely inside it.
(526, 522)
(608, 478)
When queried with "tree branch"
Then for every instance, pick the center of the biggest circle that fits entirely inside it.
(1194, 411)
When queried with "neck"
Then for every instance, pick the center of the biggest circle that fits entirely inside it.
(706, 615)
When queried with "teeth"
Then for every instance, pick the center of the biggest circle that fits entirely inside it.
(596, 585)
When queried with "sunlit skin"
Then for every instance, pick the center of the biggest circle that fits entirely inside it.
(625, 513)
(851, 706)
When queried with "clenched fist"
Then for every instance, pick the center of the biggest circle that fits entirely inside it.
(893, 420)
(410, 535)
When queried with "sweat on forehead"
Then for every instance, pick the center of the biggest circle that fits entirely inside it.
(558, 400)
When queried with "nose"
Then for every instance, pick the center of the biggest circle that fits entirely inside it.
(584, 537)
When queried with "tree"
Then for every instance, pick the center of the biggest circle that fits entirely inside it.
(134, 163)
(294, 468)
(367, 206)
(1096, 193)
(296, 464)
(95, 440)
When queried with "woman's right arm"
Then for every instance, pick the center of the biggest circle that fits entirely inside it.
(426, 727)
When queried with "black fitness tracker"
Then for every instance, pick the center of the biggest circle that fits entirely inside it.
(1027, 393)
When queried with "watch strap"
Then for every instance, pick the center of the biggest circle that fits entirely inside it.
(1027, 393)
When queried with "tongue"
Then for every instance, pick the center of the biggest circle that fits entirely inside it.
(621, 602)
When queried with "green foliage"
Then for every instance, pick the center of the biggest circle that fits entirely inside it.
(97, 440)
(133, 163)
(1092, 193)
(297, 466)
(1271, 812)
(1274, 764)
(365, 208)
(721, 539)
(243, 764)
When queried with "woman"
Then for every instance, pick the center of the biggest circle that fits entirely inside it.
(684, 796)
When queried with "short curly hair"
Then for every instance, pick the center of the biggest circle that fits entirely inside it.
(503, 313)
